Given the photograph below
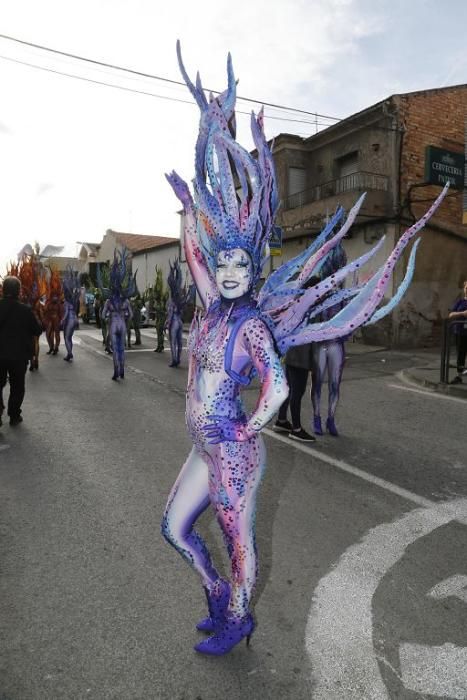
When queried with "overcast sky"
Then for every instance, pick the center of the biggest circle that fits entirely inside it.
(77, 158)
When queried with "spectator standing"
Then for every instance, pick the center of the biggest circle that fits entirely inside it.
(18, 328)
(298, 363)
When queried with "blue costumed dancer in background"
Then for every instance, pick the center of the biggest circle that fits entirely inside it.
(226, 232)
(69, 323)
(329, 355)
(117, 308)
(180, 296)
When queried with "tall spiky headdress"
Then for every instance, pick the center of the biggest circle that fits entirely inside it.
(235, 194)
(121, 282)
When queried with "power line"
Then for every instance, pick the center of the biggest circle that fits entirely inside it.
(155, 77)
(142, 92)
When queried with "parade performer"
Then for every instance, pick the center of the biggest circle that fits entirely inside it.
(134, 321)
(329, 355)
(159, 298)
(117, 309)
(180, 296)
(53, 311)
(226, 232)
(69, 323)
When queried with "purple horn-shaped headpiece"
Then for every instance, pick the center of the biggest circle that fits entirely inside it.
(235, 193)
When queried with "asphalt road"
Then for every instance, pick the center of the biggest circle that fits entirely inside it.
(362, 540)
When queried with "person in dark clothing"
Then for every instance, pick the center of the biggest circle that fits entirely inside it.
(298, 363)
(459, 315)
(18, 327)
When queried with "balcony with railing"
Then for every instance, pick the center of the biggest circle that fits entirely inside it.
(355, 182)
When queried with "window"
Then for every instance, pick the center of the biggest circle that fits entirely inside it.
(347, 169)
(297, 180)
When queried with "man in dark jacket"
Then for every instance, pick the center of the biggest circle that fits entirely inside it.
(18, 326)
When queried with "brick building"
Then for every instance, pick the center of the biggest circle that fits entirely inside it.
(384, 150)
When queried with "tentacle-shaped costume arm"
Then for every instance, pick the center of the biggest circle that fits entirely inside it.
(361, 308)
(387, 308)
(202, 277)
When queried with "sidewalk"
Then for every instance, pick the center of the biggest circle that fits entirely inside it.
(423, 367)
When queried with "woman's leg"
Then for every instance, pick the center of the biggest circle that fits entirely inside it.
(319, 361)
(173, 344)
(49, 334)
(118, 343)
(336, 361)
(57, 337)
(115, 341)
(188, 499)
(233, 486)
(68, 335)
(179, 341)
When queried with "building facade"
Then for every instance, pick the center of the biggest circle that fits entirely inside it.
(145, 253)
(400, 152)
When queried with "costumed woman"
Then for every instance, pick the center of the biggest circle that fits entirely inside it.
(180, 296)
(71, 291)
(53, 311)
(117, 309)
(226, 245)
(329, 355)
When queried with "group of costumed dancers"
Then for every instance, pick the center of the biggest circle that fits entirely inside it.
(54, 301)
(242, 333)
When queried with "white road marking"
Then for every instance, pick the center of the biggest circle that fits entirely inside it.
(350, 469)
(4, 447)
(453, 586)
(432, 394)
(439, 671)
(339, 633)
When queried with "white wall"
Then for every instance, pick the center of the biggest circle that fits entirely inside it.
(144, 264)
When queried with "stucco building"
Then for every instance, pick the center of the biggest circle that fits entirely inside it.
(145, 252)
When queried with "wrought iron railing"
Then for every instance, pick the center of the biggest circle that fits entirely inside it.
(360, 181)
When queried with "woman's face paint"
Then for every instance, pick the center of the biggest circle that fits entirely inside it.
(234, 273)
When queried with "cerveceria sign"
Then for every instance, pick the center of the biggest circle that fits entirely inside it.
(442, 166)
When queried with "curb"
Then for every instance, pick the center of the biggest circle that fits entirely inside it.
(439, 387)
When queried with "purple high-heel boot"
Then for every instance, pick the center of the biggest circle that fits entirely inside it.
(218, 599)
(331, 427)
(232, 631)
(317, 427)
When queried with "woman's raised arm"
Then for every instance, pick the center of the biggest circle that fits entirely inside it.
(205, 284)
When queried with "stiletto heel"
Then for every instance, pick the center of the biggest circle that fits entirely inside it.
(331, 427)
(232, 631)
